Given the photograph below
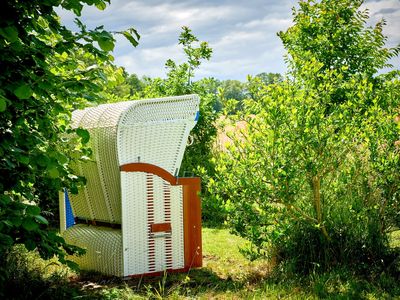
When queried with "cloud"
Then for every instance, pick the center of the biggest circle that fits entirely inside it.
(241, 33)
(390, 11)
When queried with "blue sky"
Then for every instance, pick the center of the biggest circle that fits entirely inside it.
(241, 33)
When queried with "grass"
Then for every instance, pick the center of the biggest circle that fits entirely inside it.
(226, 275)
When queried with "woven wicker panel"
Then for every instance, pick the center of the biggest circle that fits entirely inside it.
(178, 256)
(134, 223)
(84, 204)
(94, 200)
(63, 217)
(164, 150)
(93, 189)
(77, 116)
(148, 199)
(80, 205)
(108, 169)
(165, 109)
(103, 248)
(167, 121)
(106, 156)
(155, 130)
(159, 217)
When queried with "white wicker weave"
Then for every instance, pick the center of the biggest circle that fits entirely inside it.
(153, 131)
(103, 247)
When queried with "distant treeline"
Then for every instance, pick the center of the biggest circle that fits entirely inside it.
(229, 89)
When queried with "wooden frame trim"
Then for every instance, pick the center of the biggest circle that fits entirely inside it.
(192, 222)
(160, 227)
(149, 168)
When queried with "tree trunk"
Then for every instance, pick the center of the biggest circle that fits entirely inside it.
(316, 187)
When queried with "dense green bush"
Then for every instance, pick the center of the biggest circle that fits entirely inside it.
(42, 80)
(312, 179)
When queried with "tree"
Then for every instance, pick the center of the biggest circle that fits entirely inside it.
(270, 78)
(313, 173)
(136, 85)
(197, 158)
(334, 34)
(179, 82)
(41, 82)
(232, 91)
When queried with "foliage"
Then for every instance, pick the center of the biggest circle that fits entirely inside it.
(313, 175)
(179, 76)
(42, 79)
(136, 85)
(226, 274)
(334, 34)
(231, 90)
(197, 158)
(31, 277)
(270, 78)
(231, 93)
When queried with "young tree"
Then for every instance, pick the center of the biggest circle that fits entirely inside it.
(305, 175)
(179, 81)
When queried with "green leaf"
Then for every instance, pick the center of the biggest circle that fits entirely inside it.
(130, 38)
(30, 245)
(5, 240)
(10, 33)
(62, 159)
(101, 5)
(57, 238)
(23, 91)
(106, 44)
(32, 210)
(73, 189)
(8, 223)
(42, 160)
(84, 134)
(53, 172)
(16, 221)
(30, 224)
(23, 159)
(41, 219)
(73, 265)
(3, 104)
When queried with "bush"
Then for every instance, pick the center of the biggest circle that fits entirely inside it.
(41, 82)
(314, 174)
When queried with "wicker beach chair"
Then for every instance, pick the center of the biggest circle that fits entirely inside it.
(135, 216)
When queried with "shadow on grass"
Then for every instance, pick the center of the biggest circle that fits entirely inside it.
(197, 281)
(204, 283)
(29, 281)
(201, 283)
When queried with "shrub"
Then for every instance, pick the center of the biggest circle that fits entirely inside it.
(313, 174)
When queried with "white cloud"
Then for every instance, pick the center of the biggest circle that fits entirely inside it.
(271, 23)
(390, 11)
(242, 34)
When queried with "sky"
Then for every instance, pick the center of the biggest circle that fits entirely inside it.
(242, 34)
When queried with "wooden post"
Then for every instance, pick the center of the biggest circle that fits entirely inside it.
(192, 222)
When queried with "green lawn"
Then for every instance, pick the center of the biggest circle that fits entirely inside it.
(226, 275)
